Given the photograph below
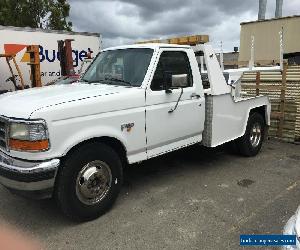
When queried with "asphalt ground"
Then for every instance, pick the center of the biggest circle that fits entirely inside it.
(195, 198)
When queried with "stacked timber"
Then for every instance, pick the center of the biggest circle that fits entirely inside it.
(284, 94)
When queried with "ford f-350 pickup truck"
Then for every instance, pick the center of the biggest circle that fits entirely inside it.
(133, 103)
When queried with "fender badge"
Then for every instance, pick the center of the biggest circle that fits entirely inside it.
(127, 126)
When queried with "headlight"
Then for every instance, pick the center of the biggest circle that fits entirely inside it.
(28, 136)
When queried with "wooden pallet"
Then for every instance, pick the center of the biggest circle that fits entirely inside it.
(283, 89)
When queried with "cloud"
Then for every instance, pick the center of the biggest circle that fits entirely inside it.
(128, 21)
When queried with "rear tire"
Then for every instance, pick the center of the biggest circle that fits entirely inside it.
(251, 142)
(89, 182)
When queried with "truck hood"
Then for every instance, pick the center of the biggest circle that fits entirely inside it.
(21, 104)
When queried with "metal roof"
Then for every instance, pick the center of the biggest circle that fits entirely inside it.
(28, 29)
(271, 19)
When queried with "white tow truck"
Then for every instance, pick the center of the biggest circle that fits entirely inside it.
(133, 103)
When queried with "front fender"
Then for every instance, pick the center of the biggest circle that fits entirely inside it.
(90, 133)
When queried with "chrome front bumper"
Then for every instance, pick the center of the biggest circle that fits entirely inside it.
(34, 179)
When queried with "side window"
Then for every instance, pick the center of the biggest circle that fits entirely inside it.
(203, 69)
(171, 63)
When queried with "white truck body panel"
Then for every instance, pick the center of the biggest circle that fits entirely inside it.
(161, 125)
(14, 39)
(219, 86)
(229, 118)
(78, 112)
(226, 115)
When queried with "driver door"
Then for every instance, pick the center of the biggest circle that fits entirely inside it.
(165, 130)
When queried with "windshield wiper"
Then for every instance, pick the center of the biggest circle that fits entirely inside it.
(84, 80)
(91, 82)
(104, 81)
(118, 80)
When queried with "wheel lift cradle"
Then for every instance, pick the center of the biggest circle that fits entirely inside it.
(226, 113)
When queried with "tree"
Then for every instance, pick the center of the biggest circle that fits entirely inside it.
(59, 11)
(47, 14)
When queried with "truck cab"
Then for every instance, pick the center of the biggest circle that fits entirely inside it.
(133, 103)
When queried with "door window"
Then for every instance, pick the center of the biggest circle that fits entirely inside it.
(171, 63)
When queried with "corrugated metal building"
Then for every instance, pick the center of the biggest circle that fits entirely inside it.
(267, 40)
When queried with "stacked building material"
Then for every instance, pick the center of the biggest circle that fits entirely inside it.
(183, 40)
(284, 96)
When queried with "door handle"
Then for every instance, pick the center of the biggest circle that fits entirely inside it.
(195, 96)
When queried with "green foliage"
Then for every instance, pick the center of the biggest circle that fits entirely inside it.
(47, 14)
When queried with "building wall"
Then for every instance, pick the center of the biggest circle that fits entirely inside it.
(230, 59)
(266, 33)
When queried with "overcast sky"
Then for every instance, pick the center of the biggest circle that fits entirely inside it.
(127, 21)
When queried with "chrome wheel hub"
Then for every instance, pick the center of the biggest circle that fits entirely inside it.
(93, 182)
(255, 135)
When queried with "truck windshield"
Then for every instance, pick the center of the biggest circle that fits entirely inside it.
(120, 67)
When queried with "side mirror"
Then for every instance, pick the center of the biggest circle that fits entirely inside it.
(179, 81)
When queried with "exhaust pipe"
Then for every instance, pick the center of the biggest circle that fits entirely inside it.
(262, 9)
(278, 11)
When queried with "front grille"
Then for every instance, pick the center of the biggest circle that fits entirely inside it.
(3, 133)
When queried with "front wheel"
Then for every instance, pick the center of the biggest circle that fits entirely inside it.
(89, 182)
(251, 142)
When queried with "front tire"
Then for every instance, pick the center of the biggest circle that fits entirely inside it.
(251, 142)
(89, 182)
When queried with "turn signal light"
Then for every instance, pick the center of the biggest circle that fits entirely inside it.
(20, 145)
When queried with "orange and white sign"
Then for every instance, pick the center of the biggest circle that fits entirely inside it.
(15, 41)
